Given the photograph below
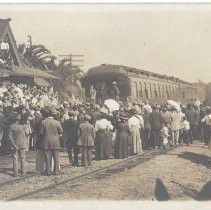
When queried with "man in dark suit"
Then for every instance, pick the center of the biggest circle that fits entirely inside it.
(192, 118)
(70, 127)
(86, 140)
(156, 121)
(19, 144)
(51, 130)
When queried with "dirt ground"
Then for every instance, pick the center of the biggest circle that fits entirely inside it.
(183, 171)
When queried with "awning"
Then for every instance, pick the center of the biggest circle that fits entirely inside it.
(41, 82)
(27, 72)
(4, 74)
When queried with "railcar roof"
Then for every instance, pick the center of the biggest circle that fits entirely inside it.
(119, 69)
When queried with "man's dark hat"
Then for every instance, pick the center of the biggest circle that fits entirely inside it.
(123, 116)
(133, 111)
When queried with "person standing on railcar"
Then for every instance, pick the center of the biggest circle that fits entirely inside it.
(92, 94)
(101, 93)
(114, 91)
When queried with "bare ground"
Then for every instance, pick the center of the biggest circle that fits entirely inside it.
(183, 171)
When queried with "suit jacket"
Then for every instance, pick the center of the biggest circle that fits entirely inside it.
(156, 120)
(17, 136)
(86, 134)
(166, 117)
(191, 116)
(175, 121)
(146, 118)
(95, 115)
(70, 127)
(50, 131)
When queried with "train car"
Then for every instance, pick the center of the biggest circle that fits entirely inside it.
(137, 85)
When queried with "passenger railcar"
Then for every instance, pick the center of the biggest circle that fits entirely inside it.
(137, 85)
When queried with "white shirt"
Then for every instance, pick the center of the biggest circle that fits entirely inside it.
(141, 120)
(186, 125)
(4, 46)
(206, 119)
(134, 121)
(19, 91)
(103, 124)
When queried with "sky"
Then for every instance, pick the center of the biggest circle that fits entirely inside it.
(170, 39)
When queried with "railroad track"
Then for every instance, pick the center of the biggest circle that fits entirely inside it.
(95, 174)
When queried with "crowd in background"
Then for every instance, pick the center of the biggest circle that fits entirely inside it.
(6, 60)
(33, 118)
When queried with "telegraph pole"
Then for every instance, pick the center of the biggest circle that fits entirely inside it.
(30, 40)
(74, 58)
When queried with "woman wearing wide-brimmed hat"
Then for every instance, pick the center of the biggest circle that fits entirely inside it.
(122, 137)
(103, 141)
(134, 125)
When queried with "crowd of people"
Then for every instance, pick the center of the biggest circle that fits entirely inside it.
(6, 60)
(33, 118)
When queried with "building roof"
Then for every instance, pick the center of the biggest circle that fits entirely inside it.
(20, 69)
(3, 24)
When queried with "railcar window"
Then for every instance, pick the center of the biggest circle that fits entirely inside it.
(183, 95)
(140, 90)
(146, 94)
(159, 93)
(136, 90)
(150, 91)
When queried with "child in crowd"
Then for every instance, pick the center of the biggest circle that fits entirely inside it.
(164, 133)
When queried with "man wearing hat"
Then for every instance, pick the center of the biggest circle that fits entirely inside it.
(114, 92)
(19, 144)
(81, 114)
(70, 136)
(156, 121)
(95, 115)
(50, 131)
(86, 140)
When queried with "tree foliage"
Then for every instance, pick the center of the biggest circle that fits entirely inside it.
(38, 56)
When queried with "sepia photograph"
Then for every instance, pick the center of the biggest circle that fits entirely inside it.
(105, 102)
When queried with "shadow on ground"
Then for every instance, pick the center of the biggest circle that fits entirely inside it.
(196, 158)
(161, 192)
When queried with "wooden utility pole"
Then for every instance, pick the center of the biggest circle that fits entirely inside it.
(30, 40)
(74, 58)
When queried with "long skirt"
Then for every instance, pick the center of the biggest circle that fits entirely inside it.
(121, 145)
(103, 144)
(136, 140)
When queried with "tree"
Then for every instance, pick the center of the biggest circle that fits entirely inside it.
(38, 56)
